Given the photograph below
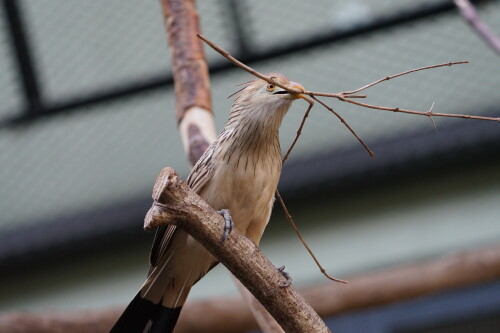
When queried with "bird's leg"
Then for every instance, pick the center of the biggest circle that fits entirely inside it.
(287, 276)
(228, 226)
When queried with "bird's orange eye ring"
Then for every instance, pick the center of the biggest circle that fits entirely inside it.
(270, 87)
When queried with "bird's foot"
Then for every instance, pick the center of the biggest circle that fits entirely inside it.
(229, 224)
(286, 275)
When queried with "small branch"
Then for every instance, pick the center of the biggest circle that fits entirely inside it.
(430, 114)
(387, 78)
(470, 14)
(294, 91)
(299, 131)
(249, 69)
(175, 203)
(348, 96)
(372, 154)
(421, 113)
(289, 217)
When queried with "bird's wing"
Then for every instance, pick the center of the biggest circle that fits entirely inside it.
(202, 172)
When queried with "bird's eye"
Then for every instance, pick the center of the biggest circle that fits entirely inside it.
(270, 87)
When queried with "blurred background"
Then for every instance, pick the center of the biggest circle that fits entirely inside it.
(87, 123)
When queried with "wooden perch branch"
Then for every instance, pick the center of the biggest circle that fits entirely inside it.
(175, 203)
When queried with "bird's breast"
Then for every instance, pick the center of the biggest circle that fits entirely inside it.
(246, 187)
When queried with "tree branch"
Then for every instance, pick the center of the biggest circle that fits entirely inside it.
(347, 96)
(191, 79)
(390, 77)
(175, 203)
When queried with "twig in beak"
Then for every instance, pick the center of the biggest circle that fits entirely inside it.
(299, 131)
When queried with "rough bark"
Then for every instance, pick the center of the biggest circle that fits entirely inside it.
(191, 79)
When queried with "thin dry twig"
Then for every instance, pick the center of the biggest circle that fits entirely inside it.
(278, 195)
(289, 217)
(271, 80)
(346, 125)
(299, 131)
(345, 96)
(349, 94)
(249, 69)
(421, 113)
(285, 209)
(430, 114)
(387, 78)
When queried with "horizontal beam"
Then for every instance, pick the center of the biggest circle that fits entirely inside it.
(367, 290)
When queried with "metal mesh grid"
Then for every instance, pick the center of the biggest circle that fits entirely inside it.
(215, 22)
(276, 23)
(89, 159)
(85, 46)
(79, 161)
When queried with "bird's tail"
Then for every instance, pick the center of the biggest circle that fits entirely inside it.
(155, 308)
(142, 315)
(157, 305)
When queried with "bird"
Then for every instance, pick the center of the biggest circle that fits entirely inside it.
(237, 175)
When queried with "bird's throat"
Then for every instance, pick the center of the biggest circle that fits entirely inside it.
(253, 135)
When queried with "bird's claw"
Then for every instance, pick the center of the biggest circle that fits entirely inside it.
(229, 224)
(287, 276)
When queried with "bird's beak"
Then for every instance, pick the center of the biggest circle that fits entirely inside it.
(297, 86)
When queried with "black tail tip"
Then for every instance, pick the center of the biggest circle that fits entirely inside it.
(142, 315)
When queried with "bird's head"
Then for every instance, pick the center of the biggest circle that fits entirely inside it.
(262, 104)
(264, 94)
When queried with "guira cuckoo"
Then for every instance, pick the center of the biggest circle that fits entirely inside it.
(238, 172)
